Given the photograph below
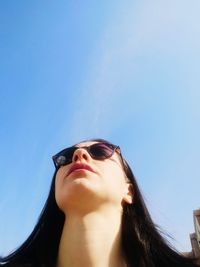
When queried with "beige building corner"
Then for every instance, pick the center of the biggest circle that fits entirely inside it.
(195, 237)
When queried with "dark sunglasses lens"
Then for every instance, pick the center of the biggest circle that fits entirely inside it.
(65, 156)
(101, 151)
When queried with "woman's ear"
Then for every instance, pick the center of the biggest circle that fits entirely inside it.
(128, 197)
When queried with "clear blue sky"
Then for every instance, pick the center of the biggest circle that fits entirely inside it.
(127, 71)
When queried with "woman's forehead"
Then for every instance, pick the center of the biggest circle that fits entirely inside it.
(87, 143)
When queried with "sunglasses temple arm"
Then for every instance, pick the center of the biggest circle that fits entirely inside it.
(54, 162)
(122, 160)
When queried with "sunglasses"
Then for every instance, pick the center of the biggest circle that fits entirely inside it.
(98, 151)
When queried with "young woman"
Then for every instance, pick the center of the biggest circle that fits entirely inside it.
(94, 216)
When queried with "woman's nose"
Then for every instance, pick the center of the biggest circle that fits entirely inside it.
(81, 154)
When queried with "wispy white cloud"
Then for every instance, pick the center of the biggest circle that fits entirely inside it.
(167, 30)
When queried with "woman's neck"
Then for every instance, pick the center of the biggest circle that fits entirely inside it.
(91, 240)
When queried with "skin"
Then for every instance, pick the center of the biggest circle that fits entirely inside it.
(92, 203)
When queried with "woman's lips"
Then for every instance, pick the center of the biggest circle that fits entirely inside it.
(79, 166)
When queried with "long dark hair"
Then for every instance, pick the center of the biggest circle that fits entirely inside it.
(142, 243)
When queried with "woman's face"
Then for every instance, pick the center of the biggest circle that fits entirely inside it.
(87, 184)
